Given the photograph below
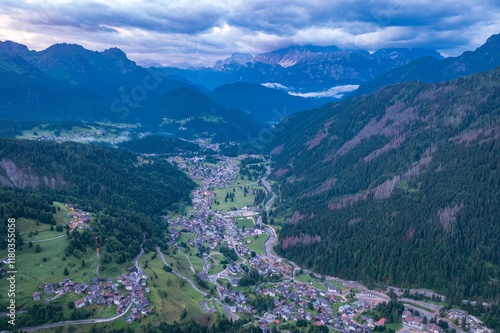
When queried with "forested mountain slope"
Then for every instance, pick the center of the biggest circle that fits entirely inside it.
(95, 176)
(400, 187)
(198, 115)
(263, 103)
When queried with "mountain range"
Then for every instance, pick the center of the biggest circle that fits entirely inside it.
(68, 82)
(303, 68)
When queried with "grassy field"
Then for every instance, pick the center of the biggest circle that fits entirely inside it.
(41, 131)
(244, 222)
(304, 278)
(179, 262)
(239, 200)
(179, 296)
(320, 286)
(257, 245)
(395, 326)
(33, 230)
(197, 263)
(33, 271)
(214, 269)
(186, 237)
(338, 285)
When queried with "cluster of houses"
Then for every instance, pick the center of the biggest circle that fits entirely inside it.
(72, 136)
(77, 217)
(270, 266)
(202, 199)
(238, 299)
(415, 322)
(129, 287)
(473, 324)
(220, 175)
(280, 266)
(205, 144)
(213, 233)
(295, 301)
(66, 286)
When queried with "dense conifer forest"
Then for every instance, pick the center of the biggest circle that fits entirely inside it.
(398, 188)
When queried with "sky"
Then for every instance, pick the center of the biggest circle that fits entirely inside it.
(198, 33)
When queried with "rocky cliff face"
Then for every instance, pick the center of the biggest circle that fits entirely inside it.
(11, 175)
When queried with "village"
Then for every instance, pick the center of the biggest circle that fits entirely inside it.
(319, 303)
(54, 137)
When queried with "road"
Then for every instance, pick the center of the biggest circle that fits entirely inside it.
(270, 230)
(98, 320)
(433, 307)
(228, 313)
(49, 239)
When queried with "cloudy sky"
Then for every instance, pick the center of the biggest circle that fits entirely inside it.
(201, 32)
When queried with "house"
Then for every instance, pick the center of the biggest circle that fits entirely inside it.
(406, 314)
(36, 296)
(433, 328)
(412, 321)
(381, 322)
(232, 269)
(80, 303)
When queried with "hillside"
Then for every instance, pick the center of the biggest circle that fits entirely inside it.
(399, 187)
(68, 82)
(191, 114)
(90, 175)
(156, 144)
(431, 70)
(271, 104)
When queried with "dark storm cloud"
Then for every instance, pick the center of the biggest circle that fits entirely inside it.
(204, 31)
(152, 16)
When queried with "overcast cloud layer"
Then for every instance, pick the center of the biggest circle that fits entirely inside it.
(201, 32)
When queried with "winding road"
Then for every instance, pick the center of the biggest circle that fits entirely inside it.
(228, 313)
(270, 230)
